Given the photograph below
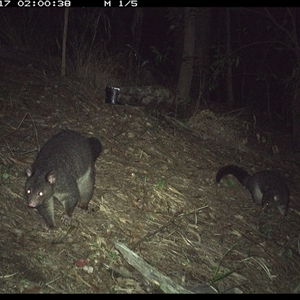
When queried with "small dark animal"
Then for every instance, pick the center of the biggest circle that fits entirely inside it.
(266, 187)
(64, 169)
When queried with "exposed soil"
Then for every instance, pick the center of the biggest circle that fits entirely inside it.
(155, 192)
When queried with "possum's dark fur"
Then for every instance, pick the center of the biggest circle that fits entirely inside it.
(266, 187)
(64, 169)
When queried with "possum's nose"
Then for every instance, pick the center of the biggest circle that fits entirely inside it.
(32, 204)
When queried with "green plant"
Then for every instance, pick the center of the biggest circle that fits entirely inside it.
(7, 172)
(5, 175)
(219, 271)
(113, 256)
(231, 181)
(149, 217)
(161, 183)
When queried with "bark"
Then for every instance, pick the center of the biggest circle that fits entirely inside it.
(64, 43)
(136, 30)
(186, 70)
(203, 23)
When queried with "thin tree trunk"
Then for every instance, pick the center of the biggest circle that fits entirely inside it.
(186, 70)
(64, 43)
(136, 29)
(203, 23)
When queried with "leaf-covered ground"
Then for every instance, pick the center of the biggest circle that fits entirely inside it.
(155, 192)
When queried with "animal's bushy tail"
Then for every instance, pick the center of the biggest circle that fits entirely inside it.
(239, 173)
(95, 146)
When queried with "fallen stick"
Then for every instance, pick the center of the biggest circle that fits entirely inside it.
(149, 272)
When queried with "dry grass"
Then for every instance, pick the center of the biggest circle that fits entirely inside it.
(155, 192)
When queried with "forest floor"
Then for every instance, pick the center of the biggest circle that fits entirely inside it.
(155, 193)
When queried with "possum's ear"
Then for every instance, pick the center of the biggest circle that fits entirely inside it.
(51, 177)
(28, 172)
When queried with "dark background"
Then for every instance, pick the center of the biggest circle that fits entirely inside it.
(262, 56)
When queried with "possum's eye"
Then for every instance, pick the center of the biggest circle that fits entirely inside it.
(28, 192)
(41, 194)
(265, 205)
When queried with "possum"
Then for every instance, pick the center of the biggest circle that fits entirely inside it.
(64, 169)
(267, 188)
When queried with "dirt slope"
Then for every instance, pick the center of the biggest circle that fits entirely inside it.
(155, 192)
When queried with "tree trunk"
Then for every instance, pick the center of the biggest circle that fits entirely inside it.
(136, 30)
(64, 43)
(203, 23)
(186, 70)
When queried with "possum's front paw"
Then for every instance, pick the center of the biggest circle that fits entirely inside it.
(66, 220)
(82, 210)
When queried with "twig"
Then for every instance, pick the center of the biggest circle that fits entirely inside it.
(9, 275)
(14, 129)
(150, 234)
(35, 131)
